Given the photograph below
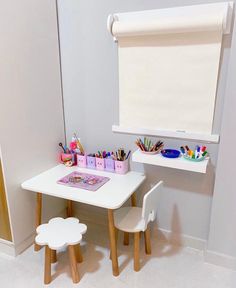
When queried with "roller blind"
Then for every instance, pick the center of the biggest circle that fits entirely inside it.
(168, 71)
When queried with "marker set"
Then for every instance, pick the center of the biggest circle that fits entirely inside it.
(200, 153)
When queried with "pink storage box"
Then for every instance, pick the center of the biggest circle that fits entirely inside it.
(81, 161)
(122, 167)
(91, 162)
(100, 163)
(109, 165)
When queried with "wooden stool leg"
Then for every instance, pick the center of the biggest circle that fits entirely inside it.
(136, 251)
(53, 256)
(147, 241)
(115, 267)
(47, 267)
(38, 216)
(79, 256)
(73, 264)
(69, 208)
(126, 238)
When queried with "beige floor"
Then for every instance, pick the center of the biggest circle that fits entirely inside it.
(168, 267)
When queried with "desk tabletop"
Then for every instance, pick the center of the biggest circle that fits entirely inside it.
(111, 195)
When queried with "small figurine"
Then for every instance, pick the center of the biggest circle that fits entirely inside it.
(68, 162)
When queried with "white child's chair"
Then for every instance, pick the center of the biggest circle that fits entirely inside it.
(136, 219)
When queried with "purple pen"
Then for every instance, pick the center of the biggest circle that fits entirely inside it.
(128, 154)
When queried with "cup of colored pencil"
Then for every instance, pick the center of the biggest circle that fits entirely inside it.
(146, 146)
(121, 161)
(121, 155)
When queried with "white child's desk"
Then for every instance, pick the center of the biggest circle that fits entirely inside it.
(111, 195)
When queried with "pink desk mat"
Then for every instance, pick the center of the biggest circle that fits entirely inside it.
(83, 181)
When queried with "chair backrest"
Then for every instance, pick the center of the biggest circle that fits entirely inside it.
(150, 201)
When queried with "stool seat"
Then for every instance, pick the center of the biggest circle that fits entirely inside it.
(59, 233)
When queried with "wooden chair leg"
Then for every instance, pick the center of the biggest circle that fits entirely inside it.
(126, 238)
(126, 234)
(53, 256)
(136, 251)
(47, 266)
(73, 264)
(38, 217)
(69, 208)
(147, 241)
(79, 256)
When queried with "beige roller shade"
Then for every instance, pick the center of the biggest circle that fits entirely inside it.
(168, 71)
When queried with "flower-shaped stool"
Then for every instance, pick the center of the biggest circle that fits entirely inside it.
(57, 234)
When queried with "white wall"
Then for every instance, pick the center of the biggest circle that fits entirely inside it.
(31, 115)
(222, 236)
(90, 80)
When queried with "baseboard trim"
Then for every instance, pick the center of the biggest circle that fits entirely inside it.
(19, 248)
(165, 235)
(7, 247)
(159, 233)
(220, 259)
(27, 242)
(14, 250)
(180, 239)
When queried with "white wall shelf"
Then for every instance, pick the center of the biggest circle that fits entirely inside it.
(176, 163)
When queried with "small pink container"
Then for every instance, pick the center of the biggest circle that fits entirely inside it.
(91, 162)
(122, 167)
(81, 161)
(109, 165)
(100, 163)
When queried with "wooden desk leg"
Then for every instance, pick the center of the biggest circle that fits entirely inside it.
(115, 267)
(116, 233)
(38, 217)
(69, 208)
(133, 200)
(134, 204)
